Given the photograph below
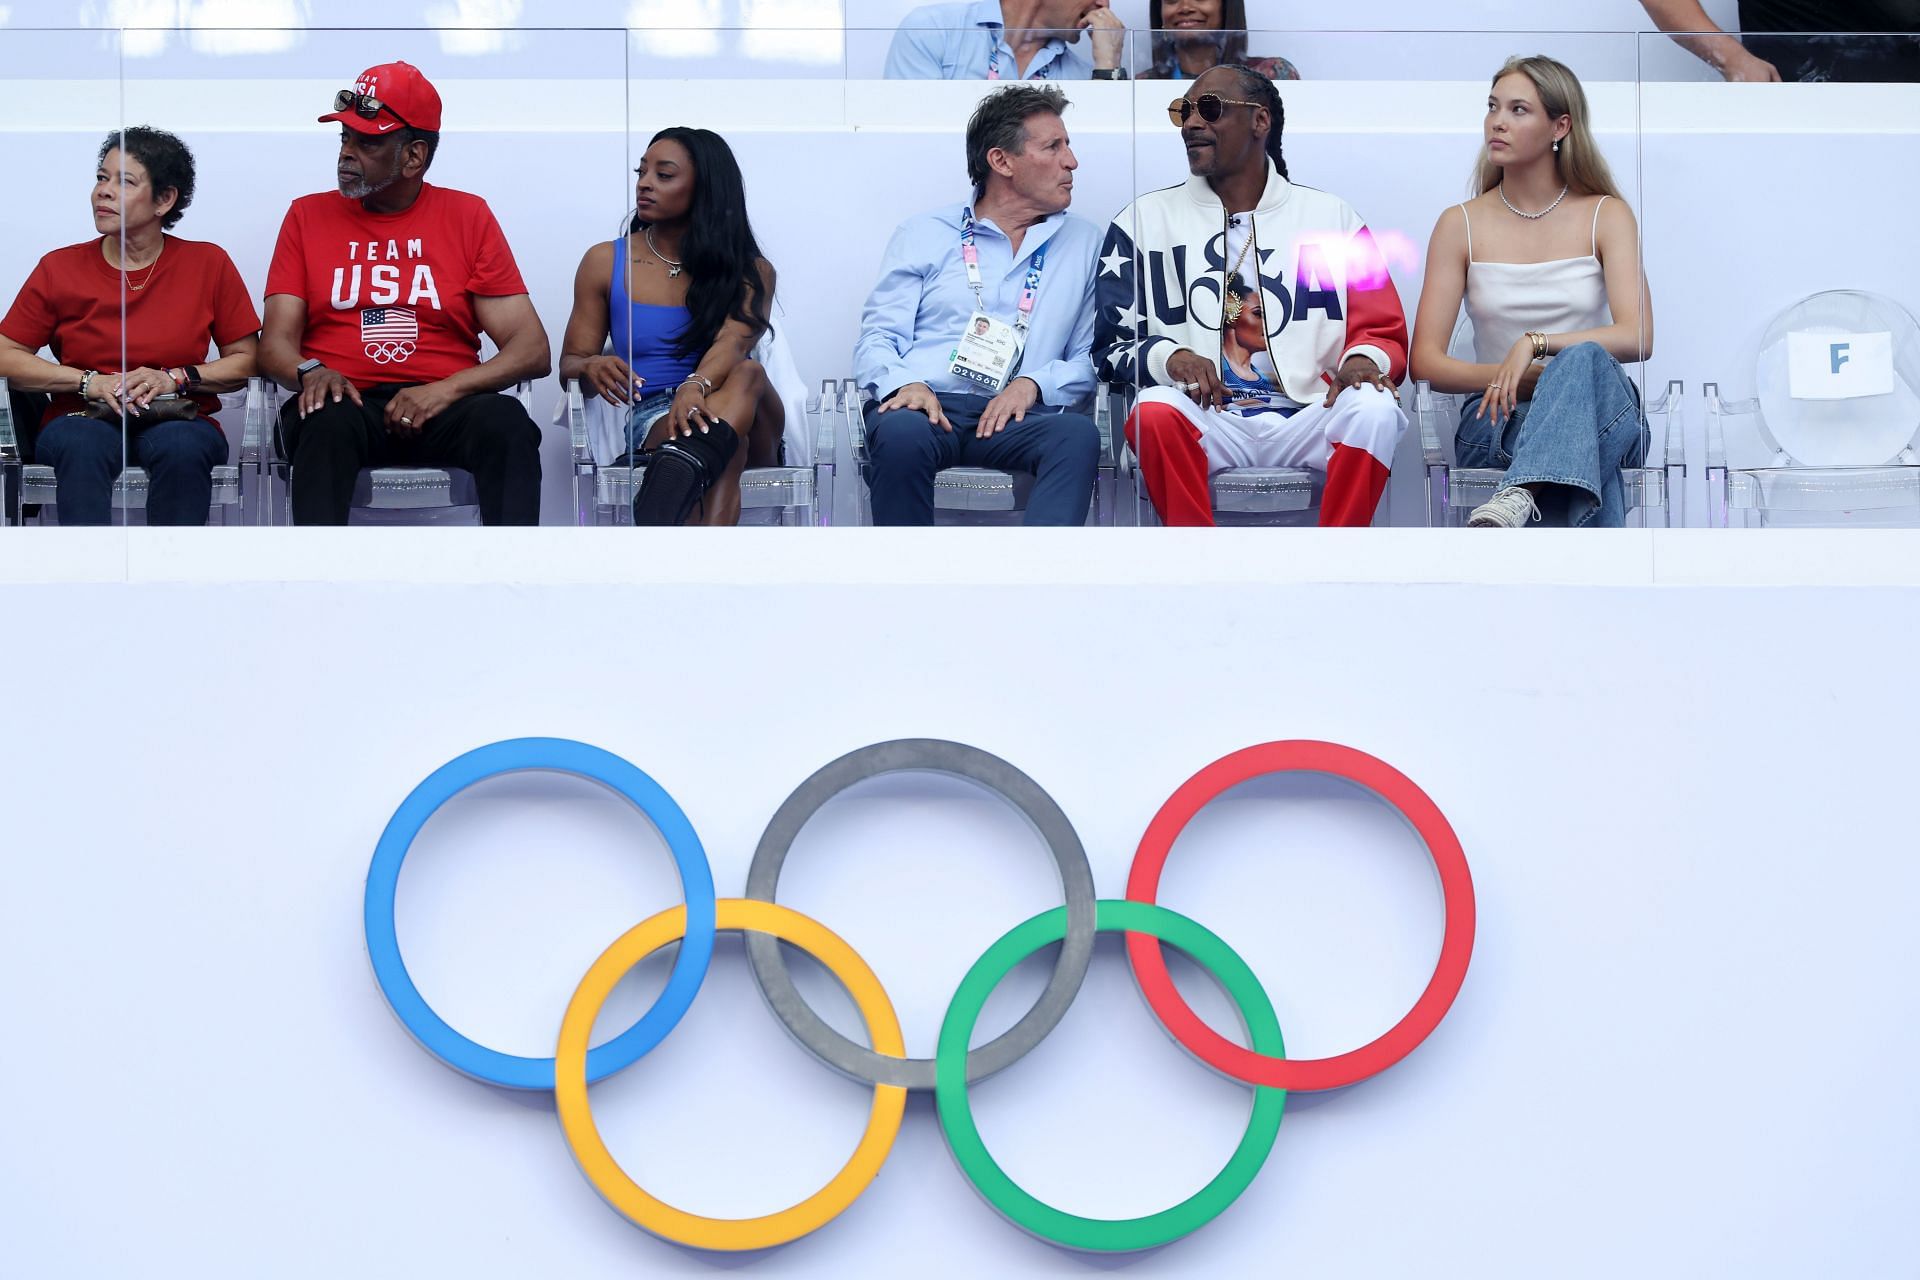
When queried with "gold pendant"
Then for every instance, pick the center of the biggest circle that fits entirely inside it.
(1231, 307)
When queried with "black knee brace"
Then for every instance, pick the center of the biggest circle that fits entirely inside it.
(680, 471)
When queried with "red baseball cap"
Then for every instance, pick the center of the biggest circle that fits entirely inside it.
(404, 95)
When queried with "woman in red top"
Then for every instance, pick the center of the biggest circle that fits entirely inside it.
(129, 317)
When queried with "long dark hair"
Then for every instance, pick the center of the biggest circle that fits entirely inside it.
(721, 256)
(1231, 38)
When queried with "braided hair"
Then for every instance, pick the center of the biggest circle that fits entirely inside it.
(1258, 88)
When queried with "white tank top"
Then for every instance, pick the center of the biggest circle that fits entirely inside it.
(1508, 299)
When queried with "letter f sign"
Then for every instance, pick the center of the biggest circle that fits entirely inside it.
(1838, 354)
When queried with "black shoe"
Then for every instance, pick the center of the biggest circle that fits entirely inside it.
(680, 471)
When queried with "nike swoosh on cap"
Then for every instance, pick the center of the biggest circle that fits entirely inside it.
(384, 127)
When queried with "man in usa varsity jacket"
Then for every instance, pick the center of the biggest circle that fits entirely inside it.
(1256, 317)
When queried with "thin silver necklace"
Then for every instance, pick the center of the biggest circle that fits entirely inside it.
(673, 268)
(1533, 216)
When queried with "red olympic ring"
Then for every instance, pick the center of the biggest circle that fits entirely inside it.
(1456, 891)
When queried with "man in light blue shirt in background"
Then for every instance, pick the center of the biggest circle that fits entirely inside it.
(982, 363)
(1009, 40)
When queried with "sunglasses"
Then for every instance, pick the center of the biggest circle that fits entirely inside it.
(367, 108)
(1210, 106)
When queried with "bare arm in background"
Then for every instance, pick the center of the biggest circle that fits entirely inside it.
(1722, 52)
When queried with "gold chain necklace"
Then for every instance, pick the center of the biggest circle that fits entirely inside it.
(1233, 303)
(128, 275)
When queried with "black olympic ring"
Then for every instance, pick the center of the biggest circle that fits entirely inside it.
(957, 760)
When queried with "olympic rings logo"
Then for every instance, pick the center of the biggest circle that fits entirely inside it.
(388, 352)
(882, 1063)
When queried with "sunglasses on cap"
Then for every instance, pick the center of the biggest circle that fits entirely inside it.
(365, 106)
(1210, 106)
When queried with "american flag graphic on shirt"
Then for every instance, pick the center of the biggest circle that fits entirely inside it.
(388, 324)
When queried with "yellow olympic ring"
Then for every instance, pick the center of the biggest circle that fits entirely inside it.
(605, 1173)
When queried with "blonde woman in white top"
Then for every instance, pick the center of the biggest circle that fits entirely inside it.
(1546, 259)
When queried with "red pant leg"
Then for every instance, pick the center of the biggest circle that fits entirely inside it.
(1355, 481)
(1172, 463)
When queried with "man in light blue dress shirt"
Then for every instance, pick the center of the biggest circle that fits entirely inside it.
(937, 401)
(1009, 40)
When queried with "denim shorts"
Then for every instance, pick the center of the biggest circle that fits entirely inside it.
(642, 416)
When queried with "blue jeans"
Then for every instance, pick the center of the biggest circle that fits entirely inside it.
(642, 416)
(1569, 442)
(1060, 449)
(87, 455)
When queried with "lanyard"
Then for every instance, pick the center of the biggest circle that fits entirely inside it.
(970, 254)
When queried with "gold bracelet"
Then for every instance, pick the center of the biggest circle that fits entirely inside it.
(1539, 341)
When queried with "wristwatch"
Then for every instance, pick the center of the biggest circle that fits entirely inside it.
(306, 367)
(1109, 73)
(193, 375)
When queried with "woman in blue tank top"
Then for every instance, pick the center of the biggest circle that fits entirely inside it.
(664, 318)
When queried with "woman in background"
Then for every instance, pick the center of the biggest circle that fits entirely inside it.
(1193, 36)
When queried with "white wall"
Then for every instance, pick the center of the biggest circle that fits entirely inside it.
(1692, 862)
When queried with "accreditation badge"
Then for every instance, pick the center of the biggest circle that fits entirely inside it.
(987, 353)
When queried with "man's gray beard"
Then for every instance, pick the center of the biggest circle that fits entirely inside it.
(362, 189)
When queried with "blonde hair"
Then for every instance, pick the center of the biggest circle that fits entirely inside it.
(1579, 161)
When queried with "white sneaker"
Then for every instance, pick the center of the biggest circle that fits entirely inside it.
(1507, 509)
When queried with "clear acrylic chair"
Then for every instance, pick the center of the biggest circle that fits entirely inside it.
(381, 495)
(1831, 436)
(1655, 491)
(797, 492)
(235, 500)
(975, 495)
(1278, 496)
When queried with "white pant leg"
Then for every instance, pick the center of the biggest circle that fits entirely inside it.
(1234, 439)
(1364, 417)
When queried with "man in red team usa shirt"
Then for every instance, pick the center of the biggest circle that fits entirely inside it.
(376, 300)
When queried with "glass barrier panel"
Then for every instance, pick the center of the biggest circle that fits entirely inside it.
(1374, 165)
(64, 306)
(759, 93)
(806, 96)
(1779, 250)
(389, 293)
(912, 138)
(926, 43)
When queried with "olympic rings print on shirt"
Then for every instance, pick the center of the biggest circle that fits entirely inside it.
(388, 352)
(882, 1063)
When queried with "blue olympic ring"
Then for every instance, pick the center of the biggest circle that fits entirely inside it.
(559, 755)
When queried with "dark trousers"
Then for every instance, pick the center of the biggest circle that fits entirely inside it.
(87, 455)
(488, 434)
(1061, 450)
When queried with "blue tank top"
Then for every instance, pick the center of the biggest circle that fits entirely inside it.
(644, 335)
